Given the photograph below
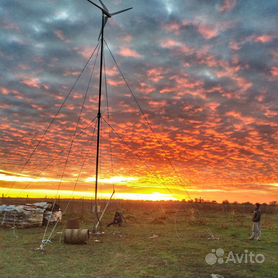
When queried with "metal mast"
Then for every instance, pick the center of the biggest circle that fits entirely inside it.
(105, 15)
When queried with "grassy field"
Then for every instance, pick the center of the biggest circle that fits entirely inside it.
(158, 240)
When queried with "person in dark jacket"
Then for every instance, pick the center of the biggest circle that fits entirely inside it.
(118, 219)
(256, 228)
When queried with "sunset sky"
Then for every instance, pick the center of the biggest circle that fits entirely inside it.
(204, 73)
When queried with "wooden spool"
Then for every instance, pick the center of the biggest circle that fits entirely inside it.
(76, 236)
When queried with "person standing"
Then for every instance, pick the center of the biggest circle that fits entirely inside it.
(256, 228)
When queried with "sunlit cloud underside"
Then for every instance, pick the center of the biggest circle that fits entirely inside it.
(204, 73)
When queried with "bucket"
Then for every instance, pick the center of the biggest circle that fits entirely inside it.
(76, 236)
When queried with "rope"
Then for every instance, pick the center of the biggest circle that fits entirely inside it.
(55, 116)
(146, 120)
(160, 178)
(108, 119)
(77, 179)
(68, 155)
(104, 210)
(69, 202)
(176, 231)
(63, 151)
(82, 130)
(141, 110)
(137, 155)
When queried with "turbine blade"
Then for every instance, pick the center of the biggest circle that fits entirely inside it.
(105, 21)
(119, 12)
(102, 4)
(99, 7)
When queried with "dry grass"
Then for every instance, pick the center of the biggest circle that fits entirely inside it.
(159, 239)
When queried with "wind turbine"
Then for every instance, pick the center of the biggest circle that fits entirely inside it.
(105, 16)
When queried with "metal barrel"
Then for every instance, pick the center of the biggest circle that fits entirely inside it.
(76, 236)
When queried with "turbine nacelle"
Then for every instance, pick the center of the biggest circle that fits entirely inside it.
(105, 10)
(105, 14)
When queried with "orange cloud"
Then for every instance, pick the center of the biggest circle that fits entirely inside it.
(155, 74)
(114, 83)
(112, 72)
(208, 31)
(173, 27)
(170, 43)
(176, 45)
(4, 91)
(71, 73)
(234, 45)
(228, 6)
(61, 36)
(213, 106)
(85, 52)
(127, 52)
(158, 104)
(146, 89)
(168, 90)
(263, 39)
(186, 96)
(274, 72)
(33, 83)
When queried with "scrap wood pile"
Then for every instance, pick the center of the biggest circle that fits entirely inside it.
(28, 215)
